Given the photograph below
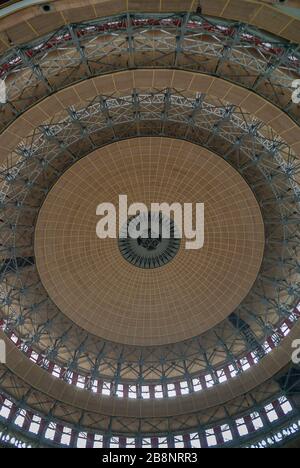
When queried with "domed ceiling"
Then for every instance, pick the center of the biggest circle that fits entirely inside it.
(162, 102)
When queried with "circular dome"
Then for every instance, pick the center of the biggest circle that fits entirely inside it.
(79, 79)
(89, 280)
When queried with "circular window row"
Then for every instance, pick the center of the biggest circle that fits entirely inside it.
(165, 389)
(246, 427)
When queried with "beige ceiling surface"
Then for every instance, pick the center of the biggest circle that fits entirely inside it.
(94, 286)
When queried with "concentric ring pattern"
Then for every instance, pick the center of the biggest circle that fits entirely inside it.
(160, 105)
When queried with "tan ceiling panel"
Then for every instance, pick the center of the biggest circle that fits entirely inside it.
(213, 8)
(296, 148)
(150, 5)
(220, 88)
(292, 135)
(52, 104)
(201, 83)
(104, 84)
(22, 34)
(35, 116)
(253, 103)
(144, 79)
(22, 127)
(178, 5)
(4, 43)
(292, 31)
(269, 113)
(271, 18)
(162, 79)
(236, 95)
(80, 14)
(123, 81)
(240, 10)
(9, 140)
(71, 96)
(181, 81)
(282, 124)
(109, 7)
(46, 23)
(86, 89)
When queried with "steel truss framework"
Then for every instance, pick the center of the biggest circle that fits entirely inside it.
(234, 51)
(263, 159)
(53, 412)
